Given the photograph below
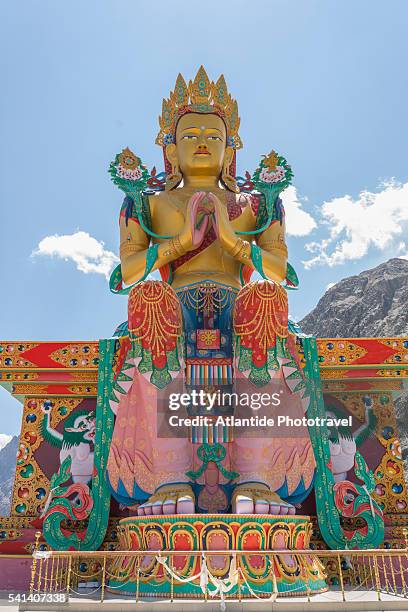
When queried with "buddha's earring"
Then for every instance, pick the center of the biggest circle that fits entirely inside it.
(174, 178)
(228, 180)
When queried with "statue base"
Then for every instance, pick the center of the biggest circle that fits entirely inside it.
(257, 575)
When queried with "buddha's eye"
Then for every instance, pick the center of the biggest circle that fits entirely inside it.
(214, 138)
(190, 137)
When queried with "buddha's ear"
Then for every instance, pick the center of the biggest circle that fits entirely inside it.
(171, 154)
(228, 156)
(228, 180)
(173, 178)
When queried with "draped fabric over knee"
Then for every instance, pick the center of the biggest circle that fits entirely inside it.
(266, 357)
(139, 461)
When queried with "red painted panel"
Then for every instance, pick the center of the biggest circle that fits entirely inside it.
(40, 354)
(376, 351)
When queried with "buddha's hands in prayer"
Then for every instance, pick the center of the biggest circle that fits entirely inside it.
(198, 220)
(222, 225)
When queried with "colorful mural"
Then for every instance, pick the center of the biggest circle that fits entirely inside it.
(346, 388)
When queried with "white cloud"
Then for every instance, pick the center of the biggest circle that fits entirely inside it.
(371, 220)
(4, 439)
(402, 250)
(298, 221)
(89, 254)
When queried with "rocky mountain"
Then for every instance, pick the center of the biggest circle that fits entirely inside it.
(7, 470)
(373, 303)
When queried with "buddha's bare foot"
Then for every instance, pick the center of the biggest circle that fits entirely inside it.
(256, 498)
(170, 499)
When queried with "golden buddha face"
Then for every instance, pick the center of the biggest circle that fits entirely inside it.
(200, 148)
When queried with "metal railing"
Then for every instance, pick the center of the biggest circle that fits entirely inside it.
(345, 572)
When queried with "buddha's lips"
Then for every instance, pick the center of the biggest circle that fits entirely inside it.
(202, 153)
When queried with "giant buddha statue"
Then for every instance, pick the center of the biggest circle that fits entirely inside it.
(205, 323)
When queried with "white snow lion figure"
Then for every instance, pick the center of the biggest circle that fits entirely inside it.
(76, 441)
(343, 442)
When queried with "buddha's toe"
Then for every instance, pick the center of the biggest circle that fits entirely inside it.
(157, 508)
(261, 506)
(185, 505)
(243, 505)
(169, 506)
(286, 509)
(147, 509)
(280, 507)
(169, 500)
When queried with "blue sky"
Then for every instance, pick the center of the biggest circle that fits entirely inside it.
(321, 81)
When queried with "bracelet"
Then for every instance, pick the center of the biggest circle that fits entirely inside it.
(174, 248)
(170, 251)
(177, 246)
(239, 249)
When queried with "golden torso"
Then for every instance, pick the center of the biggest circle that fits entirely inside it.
(168, 211)
(200, 157)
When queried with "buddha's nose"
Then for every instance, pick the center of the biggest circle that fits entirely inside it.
(202, 146)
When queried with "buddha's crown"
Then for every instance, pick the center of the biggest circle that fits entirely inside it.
(201, 96)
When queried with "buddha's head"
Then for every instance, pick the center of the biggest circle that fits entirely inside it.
(201, 146)
(199, 131)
